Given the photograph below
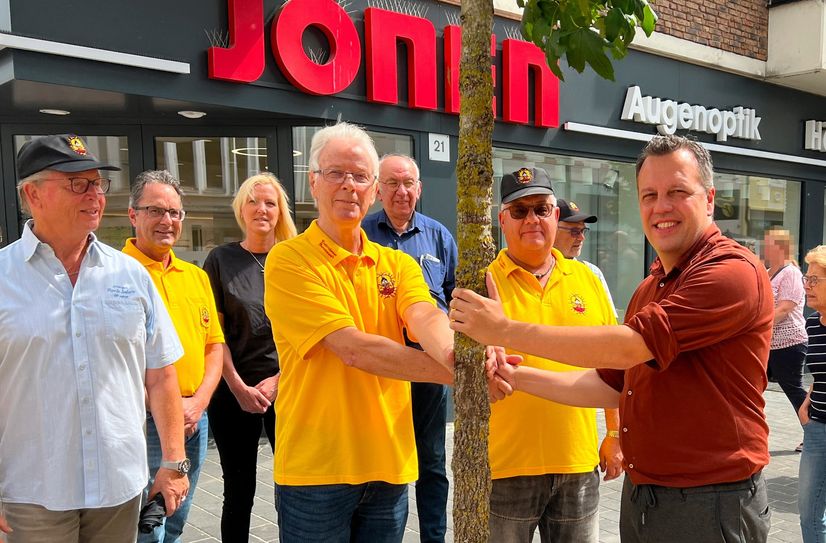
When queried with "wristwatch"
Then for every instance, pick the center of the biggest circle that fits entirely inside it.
(181, 466)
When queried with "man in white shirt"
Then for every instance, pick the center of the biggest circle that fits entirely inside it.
(82, 332)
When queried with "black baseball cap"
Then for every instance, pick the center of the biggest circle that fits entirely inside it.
(524, 182)
(63, 152)
(570, 212)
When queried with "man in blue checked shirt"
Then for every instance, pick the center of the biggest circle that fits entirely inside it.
(399, 226)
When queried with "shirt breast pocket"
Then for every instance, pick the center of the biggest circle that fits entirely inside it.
(433, 270)
(125, 320)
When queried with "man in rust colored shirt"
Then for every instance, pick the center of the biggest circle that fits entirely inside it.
(687, 369)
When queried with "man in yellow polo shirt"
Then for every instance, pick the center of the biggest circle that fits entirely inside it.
(339, 306)
(543, 455)
(156, 213)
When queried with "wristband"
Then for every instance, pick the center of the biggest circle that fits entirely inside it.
(612, 433)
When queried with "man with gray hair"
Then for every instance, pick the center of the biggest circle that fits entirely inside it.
(400, 226)
(340, 305)
(84, 336)
(687, 369)
(156, 212)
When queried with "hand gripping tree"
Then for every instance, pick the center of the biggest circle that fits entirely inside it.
(583, 31)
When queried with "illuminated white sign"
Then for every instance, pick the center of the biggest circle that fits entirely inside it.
(813, 138)
(668, 115)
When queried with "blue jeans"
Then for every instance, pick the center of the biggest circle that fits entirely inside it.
(429, 421)
(374, 512)
(565, 507)
(196, 448)
(811, 498)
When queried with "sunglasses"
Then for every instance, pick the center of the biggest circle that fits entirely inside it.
(519, 212)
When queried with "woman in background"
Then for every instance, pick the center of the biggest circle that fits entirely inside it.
(788, 344)
(812, 477)
(243, 403)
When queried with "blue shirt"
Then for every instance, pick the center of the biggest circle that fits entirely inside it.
(428, 242)
(73, 361)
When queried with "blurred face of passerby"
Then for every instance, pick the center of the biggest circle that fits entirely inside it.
(529, 225)
(815, 285)
(55, 200)
(343, 201)
(260, 211)
(569, 238)
(155, 235)
(399, 188)
(675, 208)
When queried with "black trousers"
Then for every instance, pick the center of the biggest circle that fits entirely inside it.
(236, 434)
(786, 367)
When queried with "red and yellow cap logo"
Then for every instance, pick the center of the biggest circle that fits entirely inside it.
(524, 175)
(76, 145)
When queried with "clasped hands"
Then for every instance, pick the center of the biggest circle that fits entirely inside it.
(484, 320)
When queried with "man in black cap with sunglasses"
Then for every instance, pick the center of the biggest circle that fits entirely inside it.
(543, 455)
(83, 333)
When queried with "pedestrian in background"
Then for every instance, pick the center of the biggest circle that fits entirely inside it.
(789, 339)
(243, 403)
(811, 500)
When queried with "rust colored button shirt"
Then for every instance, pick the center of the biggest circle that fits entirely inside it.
(693, 415)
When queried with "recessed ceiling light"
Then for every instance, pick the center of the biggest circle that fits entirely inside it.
(250, 151)
(55, 111)
(296, 152)
(192, 114)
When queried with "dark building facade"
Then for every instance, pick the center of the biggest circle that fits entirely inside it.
(135, 79)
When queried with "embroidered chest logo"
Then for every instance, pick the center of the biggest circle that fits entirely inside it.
(386, 285)
(577, 304)
(204, 317)
(524, 175)
(76, 145)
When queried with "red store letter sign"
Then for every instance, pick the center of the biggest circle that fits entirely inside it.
(381, 30)
(243, 61)
(517, 58)
(341, 68)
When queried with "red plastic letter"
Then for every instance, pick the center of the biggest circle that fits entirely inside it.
(243, 60)
(518, 57)
(381, 31)
(345, 50)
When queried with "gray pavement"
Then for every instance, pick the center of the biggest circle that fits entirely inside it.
(781, 474)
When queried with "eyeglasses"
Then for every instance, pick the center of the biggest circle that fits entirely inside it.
(542, 211)
(811, 280)
(394, 184)
(159, 212)
(338, 176)
(80, 185)
(576, 231)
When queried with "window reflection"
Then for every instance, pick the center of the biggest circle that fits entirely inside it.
(210, 170)
(305, 210)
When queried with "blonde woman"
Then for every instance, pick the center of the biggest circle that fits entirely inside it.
(242, 405)
(788, 346)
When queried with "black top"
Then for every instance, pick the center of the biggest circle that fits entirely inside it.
(816, 361)
(238, 285)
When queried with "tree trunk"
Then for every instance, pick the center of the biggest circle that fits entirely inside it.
(474, 170)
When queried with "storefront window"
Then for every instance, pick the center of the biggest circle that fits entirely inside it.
(305, 210)
(114, 150)
(745, 206)
(210, 170)
(603, 188)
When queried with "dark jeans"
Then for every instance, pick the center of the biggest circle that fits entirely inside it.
(730, 512)
(429, 420)
(374, 512)
(786, 367)
(236, 434)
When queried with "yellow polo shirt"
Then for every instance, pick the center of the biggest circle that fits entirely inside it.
(337, 424)
(529, 435)
(187, 295)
